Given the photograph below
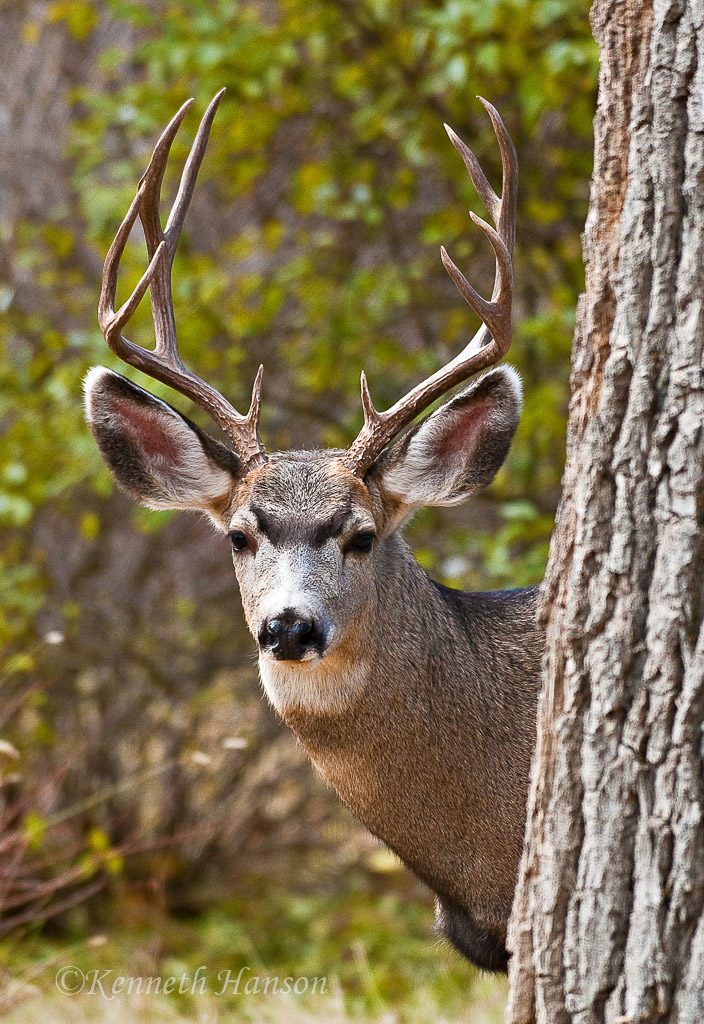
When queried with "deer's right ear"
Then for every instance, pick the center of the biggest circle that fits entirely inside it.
(456, 450)
(154, 452)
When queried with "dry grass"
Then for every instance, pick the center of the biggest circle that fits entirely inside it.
(277, 1010)
(37, 1004)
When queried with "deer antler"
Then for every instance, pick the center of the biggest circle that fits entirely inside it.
(164, 362)
(492, 340)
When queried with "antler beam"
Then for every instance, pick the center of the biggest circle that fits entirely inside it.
(164, 362)
(492, 340)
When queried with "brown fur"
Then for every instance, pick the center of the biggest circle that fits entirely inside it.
(433, 753)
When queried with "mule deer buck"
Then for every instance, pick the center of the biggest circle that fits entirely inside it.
(415, 701)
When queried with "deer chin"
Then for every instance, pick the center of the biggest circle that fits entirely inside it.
(317, 684)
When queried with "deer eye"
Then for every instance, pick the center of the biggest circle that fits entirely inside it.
(239, 540)
(362, 541)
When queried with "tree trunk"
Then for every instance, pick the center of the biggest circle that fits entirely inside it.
(608, 921)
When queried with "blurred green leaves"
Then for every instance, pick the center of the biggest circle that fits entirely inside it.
(312, 244)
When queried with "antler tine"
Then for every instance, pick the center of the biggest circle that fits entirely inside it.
(484, 190)
(492, 340)
(509, 183)
(164, 363)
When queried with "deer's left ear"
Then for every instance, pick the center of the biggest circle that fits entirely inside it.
(154, 452)
(456, 450)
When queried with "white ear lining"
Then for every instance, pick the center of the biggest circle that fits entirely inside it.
(98, 378)
(425, 474)
(185, 477)
(513, 378)
(191, 480)
(420, 473)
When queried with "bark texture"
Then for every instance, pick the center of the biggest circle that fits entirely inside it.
(608, 921)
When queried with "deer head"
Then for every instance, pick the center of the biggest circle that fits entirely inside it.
(315, 535)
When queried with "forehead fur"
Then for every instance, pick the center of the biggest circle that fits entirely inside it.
(313, 485)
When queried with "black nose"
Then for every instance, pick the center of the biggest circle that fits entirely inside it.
(289, 635)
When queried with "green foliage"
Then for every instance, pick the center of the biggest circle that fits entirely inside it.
(312, 244)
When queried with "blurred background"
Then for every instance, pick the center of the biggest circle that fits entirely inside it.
(154, 814)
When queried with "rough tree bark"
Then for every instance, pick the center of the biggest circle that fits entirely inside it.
(608, 922)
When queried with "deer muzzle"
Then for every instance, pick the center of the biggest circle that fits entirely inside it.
(292, 636)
